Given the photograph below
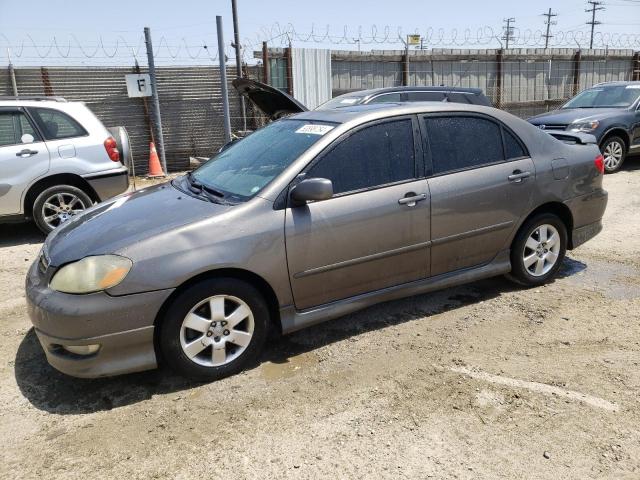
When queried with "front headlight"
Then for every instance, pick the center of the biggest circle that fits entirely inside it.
(91, 274)
(584, 126)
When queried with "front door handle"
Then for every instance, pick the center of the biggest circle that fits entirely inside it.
(410, 199)
(518, 175)
(26, 153)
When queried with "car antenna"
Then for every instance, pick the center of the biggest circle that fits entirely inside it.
(446, 93)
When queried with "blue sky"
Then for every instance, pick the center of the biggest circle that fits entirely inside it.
(184, 26)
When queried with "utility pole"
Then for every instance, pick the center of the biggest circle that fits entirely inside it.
(226, 122)
(548, 22)
(236, 45)
(595, 6)
(155, 110)
(508, 31)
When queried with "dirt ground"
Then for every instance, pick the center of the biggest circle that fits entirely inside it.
(480, 381)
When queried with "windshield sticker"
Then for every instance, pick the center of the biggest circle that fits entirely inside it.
(633, 87)
(314, 129)
(349, 101)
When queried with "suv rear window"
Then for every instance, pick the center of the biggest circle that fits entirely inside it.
(56, 125)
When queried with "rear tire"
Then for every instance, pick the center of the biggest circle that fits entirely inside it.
(214, 329)
(614, 151)
(538, 250)
(56, 205)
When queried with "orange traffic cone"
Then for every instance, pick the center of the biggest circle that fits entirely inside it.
(155, 170)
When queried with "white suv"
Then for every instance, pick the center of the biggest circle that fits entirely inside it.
(56, 159)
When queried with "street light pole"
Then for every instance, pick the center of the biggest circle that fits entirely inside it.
(236, 45)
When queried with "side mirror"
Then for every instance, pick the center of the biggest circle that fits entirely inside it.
(27, 138)
(311, 189)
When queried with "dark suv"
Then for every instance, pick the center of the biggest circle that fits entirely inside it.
(609, 111)
(275, 103)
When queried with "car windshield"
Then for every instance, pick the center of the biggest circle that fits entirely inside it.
(341, 101)
(243, 169)
(618, 96)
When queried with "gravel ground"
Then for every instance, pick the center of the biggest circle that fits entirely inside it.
(480, 381)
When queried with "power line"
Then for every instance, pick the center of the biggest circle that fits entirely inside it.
(508, 31)
(595, 6)
(548, 22)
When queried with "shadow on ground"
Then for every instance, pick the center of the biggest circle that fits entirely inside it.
(19, 234)
(54, 392)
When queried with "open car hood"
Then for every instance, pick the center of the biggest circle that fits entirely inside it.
(269, 100)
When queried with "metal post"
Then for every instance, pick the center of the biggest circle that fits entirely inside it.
(236, 44)
(289, 69)
(265, 64)
(576, 72)
(405, 64)
(498, 97)
(155, 111)
(12, 75)
(223, 81)
(635, 67)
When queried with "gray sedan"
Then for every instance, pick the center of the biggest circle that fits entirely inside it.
(307, 219)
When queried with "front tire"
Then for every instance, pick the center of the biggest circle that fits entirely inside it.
(214, 329)
(614, 151)
(57, 204)
(538, 250)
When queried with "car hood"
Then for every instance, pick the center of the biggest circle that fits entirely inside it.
(125, 220)
(570, 115)
(270, 101)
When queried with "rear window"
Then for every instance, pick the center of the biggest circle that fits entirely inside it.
(57, 125)
(425, 96)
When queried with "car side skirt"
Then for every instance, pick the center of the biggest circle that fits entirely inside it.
(292, 319)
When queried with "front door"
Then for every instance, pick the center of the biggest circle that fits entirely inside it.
(481, 186)
(21, 161)
(374, 232)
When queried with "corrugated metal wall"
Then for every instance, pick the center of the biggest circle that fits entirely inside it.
(311, 69)
(533, 80)
(190, 104)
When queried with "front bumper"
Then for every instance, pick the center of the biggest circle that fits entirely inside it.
(109, 184)
(123, 327)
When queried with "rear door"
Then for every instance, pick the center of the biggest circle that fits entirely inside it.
(21, 162)
(374, 232)
(481, 185)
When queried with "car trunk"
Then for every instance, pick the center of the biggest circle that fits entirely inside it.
(269, 100)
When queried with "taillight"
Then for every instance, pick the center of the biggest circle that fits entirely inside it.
(111, 147)
(599, 162)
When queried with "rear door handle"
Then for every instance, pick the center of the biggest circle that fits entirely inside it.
(517, 176)
(26, 153)
(410, 199)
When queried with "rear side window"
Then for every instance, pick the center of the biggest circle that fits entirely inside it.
(376, 155)
(425, 96)
(513, 148)
(56, 125)
(463, 142)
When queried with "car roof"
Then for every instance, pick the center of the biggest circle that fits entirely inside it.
(363, 113)
(616, 83)
(440, 88)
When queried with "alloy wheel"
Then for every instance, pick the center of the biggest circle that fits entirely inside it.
(217, 330)
(613, 153)
(541, 250)
(60, 207)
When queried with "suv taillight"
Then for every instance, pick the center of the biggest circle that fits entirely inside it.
(111, 147)
(599, 162)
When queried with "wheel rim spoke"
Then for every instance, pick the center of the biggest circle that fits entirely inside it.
(240, 338)
(530, 260)
(238, 315)
(197, 323)
(194, 347)
(218, 355)
(217, 308)
(552, 257)
(539, 266)
(553, 240)
(532, 243)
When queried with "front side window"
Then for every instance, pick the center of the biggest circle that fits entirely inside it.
(13, 125)
(247, 166)
(377, 155)
(56, 125)
(7, 129)
(460, 142)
